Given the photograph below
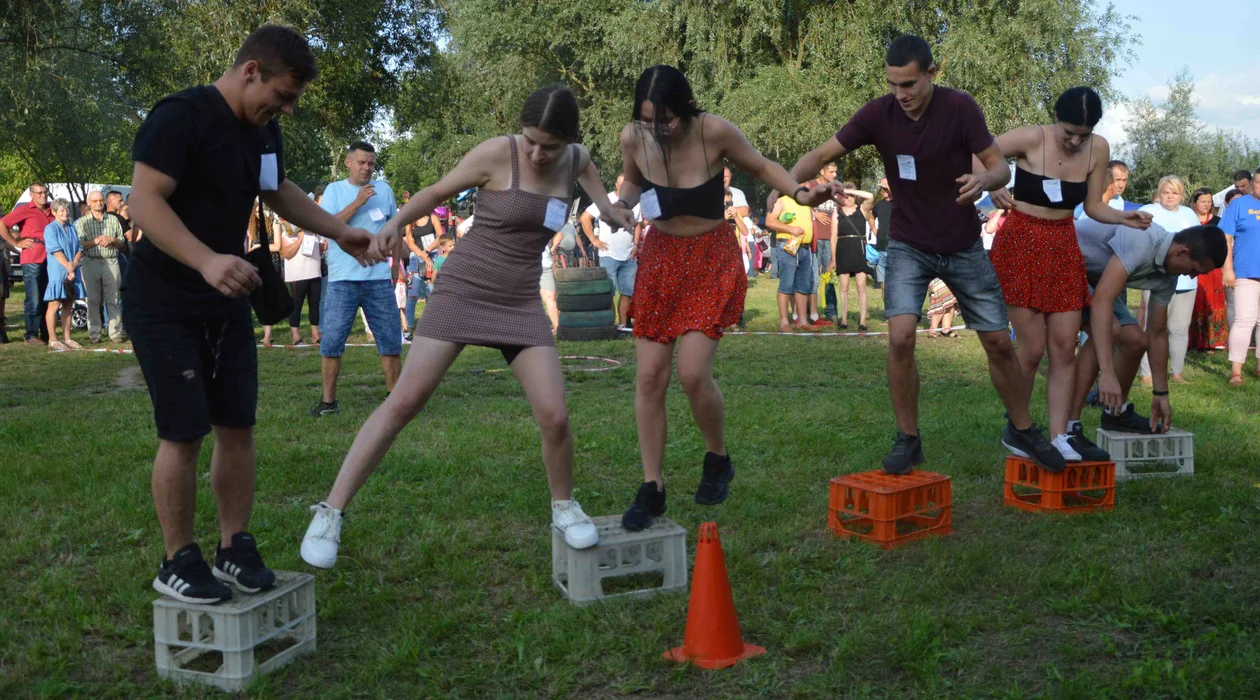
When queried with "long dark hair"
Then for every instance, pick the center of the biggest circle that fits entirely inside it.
(666, 88)
(554, 110)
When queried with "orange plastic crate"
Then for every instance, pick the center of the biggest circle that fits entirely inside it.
(890, 510)
(1081, 488)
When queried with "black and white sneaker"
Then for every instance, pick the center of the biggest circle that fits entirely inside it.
(1033, 444)
(241, 565)
(649, 503)
(187, 578)
(715, 483)
(1088, 450)
(1127, 422)
(324, 409)
(905, 455)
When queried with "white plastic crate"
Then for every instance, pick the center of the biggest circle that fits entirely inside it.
(580, 573)
(1137, 456)
(233, 631)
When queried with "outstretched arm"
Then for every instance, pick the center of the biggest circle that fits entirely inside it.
(1095, 208)
(741, 153)
(588, 178)
(812, 162)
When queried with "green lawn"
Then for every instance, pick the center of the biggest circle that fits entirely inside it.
(443, 587)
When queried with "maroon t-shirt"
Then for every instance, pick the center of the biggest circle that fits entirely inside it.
(925, 213)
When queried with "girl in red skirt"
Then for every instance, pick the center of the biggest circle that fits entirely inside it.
(1036, 255)
(1208, 327)
(691, 280)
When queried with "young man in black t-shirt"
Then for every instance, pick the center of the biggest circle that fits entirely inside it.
(201, 157)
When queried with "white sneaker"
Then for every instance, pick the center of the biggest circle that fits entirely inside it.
(319, 546)
(1064, 447)
(579, 531)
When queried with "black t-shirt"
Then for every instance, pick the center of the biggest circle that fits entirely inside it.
(217, 161)
(883, 215)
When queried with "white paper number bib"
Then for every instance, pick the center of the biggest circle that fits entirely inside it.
(650, 205)
(1053, 190)
(268, 173)
(556, 214)
(905, 168)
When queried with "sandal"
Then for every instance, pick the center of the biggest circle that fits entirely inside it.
(1235, 380)
(861, 328)
(73, 345)
(56, 346)
(950, 334)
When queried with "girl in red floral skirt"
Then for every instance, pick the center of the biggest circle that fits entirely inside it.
(1036, 254)
(691, 280)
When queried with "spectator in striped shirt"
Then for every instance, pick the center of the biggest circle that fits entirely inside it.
(101, 236)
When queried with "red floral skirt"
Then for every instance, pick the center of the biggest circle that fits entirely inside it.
(1039, 264)
(688, 284)
(1207, 327)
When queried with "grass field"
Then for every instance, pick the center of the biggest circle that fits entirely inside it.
(443, 587)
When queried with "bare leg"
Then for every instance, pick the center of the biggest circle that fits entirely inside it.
(330, 368)
(1086, 372)
(862, 299)
(233, 465)
(426, 364)
(903, 372)
(549, 305)
(315, 334)
(696, 352)
(174, 484)
(947, 320)
(1063, 328)
(652, 372)
(785, 321)
(266, 335)
(1007, 377)
(844, 299)
(623, 309)
(1132, 346)
(934, 324)
(68, 305)
(538, 370)
(50, 318)
(1030, 332)
(392, 366)
(802, 309)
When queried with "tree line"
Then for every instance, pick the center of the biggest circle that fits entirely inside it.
(438, 76)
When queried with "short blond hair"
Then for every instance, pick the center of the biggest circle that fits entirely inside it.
(60, 204)
(1177, 183)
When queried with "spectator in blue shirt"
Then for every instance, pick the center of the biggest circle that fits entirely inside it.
(1241, 224)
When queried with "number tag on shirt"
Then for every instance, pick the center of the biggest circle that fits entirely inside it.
(1053, 189)
(309, 246)
(557, 213)
(650, 205)
(375, 214)
(268, 173)
(905, 167)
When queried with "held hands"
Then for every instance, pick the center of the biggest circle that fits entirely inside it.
(70, 275)
(1229, 278)
(229, 275)
(380, 246)
(1136, 219)
(971, 188)
(1002, 198)
(355, 242)
(817, 195)
(1161, 414)
(618, 216)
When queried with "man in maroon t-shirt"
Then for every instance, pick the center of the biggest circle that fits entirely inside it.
(926, 136)
(29, 220)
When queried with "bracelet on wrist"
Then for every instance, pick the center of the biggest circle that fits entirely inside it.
(1159, 393)
(798, 190)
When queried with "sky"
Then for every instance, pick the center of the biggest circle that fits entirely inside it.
(1213, 43)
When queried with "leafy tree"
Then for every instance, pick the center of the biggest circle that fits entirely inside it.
(1169, 139)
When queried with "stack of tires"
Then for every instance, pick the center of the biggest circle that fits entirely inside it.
(584, 296)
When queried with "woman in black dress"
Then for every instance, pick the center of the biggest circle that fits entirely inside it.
(852, 228)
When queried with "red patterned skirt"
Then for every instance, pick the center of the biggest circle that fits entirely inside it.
(1207, 326)
(688, 284)
(1039, 264)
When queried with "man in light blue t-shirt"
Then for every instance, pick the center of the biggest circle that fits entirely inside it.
(360, 201)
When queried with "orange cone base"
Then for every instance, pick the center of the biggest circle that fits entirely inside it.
(679, 654)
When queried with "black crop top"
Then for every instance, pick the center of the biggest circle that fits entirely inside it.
(1030, 187)
(703, 201)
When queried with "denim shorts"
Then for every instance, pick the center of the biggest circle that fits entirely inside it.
(796, 272)
(1119, 310)
(824, 260)
(340, 305)
(968, 273)
(622, 273)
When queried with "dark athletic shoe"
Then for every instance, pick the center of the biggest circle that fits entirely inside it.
(324, 409)
(187, 578)
(1033, 444)
(649, 503)
(1088, 450)
(715, 484)
(240, 564)
(906, 454)
(1127, 422)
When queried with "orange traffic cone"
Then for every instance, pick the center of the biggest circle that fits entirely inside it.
(713, 639)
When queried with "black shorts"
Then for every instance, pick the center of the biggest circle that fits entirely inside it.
(201, 368)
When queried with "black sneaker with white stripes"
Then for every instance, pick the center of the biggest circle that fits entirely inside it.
(187, 578)
(241, 564)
